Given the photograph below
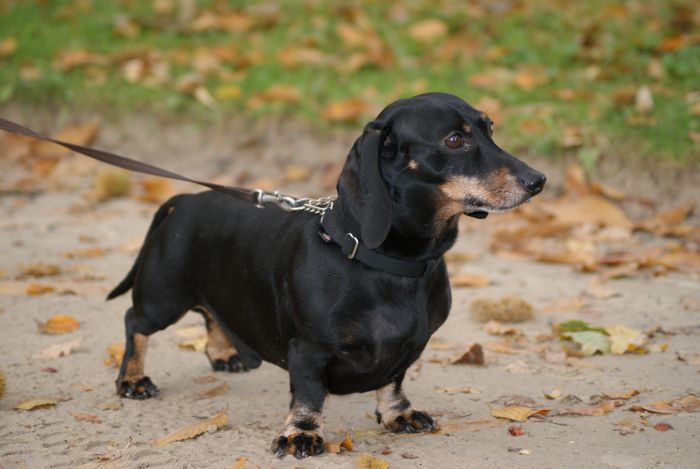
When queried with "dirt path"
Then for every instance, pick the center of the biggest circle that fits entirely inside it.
(45, 226)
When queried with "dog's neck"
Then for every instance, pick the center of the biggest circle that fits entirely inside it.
(413, 235)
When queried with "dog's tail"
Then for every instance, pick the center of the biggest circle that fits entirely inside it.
(128, 282)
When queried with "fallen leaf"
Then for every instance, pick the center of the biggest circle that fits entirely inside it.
(624, 396)
(35, 289)
(115, 354)
(590, 209)
(280, 94)
(49, 369)
(59, 324)
(625, 339)
(35, 404)
(594, 410)
(81, 253)
(505, 309)
(155, 190)
(663, 427)
(110, 405)
(590, 342)
(205, 379)
(79, 134)
(503, 346)
(469, 280)
(473, 356)
(57, 350)
(213, 392)
(348, 110)
(516, 430)
(555, 394)
(626, 426)
(8, 46)
(428, 30)
(498, 328)
(39, 269)
(643, 100)
(455, 390)
(367, 461)
(682, 404)
(191, 431)
(111, 182)
(347, 443)
(517, 413)
(598, 289)
(197, 345)
(85, 417)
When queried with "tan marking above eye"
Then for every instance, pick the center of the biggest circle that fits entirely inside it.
(467, 128)
(413, 165)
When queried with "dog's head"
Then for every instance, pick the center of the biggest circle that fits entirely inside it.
(424, 161)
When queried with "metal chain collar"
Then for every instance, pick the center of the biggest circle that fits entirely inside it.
(293, 204)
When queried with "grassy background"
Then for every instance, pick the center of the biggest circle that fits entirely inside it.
(563, 78)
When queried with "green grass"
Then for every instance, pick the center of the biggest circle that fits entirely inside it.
(564, 66)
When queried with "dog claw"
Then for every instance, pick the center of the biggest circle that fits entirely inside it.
(301, 445)
(232, 365)
(141, 389)
(413, 422)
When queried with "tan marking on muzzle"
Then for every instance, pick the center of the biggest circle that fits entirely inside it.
(134, 366)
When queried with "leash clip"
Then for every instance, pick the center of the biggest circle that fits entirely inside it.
(354, 249)
(293, 204)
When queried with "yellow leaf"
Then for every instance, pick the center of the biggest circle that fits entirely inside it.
(346, 443)
(367, 461)
(470, 280)
(590, 209)
(594, 411)
(280, 93)
(39, 289)
(213, 392)
(39, 269)
(555, 394)
(59, 324)
(35, 404)
(58, 350)
(498, 328)
(90, 252)
(116, 353)
(198, 345)
(228, 92)
(8, 46)
(346, 111)
(191, 431)
(688, 403)
(156, 190)
(85, 417)
(625, 339)
(517, 413)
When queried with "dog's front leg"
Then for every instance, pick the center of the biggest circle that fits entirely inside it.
(396, 413)
(302, 435)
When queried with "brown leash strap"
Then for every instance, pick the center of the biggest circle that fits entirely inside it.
(127, 163)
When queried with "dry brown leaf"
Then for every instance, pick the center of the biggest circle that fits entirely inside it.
(349, 110)
(59, 324)
(347, 443)
(8, 46)
(663, 427)
(155, 190)
(469, 280)
(280, 94)
(624, 396)
(213, 392)
(590, 209)
(39, 269)
(517, 413)
(594, 410)
(79, 134)
(428, 30)
(367, 461)
(85, 417)
(115, 354)
(516, 430)
(664, 223)
(57, 350)
(505, 309)
(688, 403)
(555, 394)
(111, 405)
(598, 289)
(83, 253)
(680, 260)
(498, 328)
(36, 404)
(473, 356)
(39, 289)
(191, 431)
(503, 346)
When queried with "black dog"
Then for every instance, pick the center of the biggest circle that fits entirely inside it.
(276, 286)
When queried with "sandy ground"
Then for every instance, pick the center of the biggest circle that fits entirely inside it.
(42, 227)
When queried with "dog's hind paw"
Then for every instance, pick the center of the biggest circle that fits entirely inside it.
(141, 389)
(301, 445)
(232, 365)
(411, 421)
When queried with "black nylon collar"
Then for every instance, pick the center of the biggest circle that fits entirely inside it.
(352, 248)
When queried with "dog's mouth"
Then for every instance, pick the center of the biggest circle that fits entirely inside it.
(480, 214)
(481, 210)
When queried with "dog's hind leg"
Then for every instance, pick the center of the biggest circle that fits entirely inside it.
(131, 382)
(397, 414)
(222, 353)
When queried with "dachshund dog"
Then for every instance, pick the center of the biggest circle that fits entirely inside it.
(345, 302)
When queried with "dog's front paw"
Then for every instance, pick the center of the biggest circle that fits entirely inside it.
(408, 421)
(301, 445)
(232, 365)
(141, 389)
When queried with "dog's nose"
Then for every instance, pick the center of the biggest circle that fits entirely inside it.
(533, 182)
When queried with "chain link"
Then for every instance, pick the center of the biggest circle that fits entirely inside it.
(293, 204)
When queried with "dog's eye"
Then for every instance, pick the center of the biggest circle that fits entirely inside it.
(454, 141)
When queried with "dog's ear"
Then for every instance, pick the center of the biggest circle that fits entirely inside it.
(375, 219)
